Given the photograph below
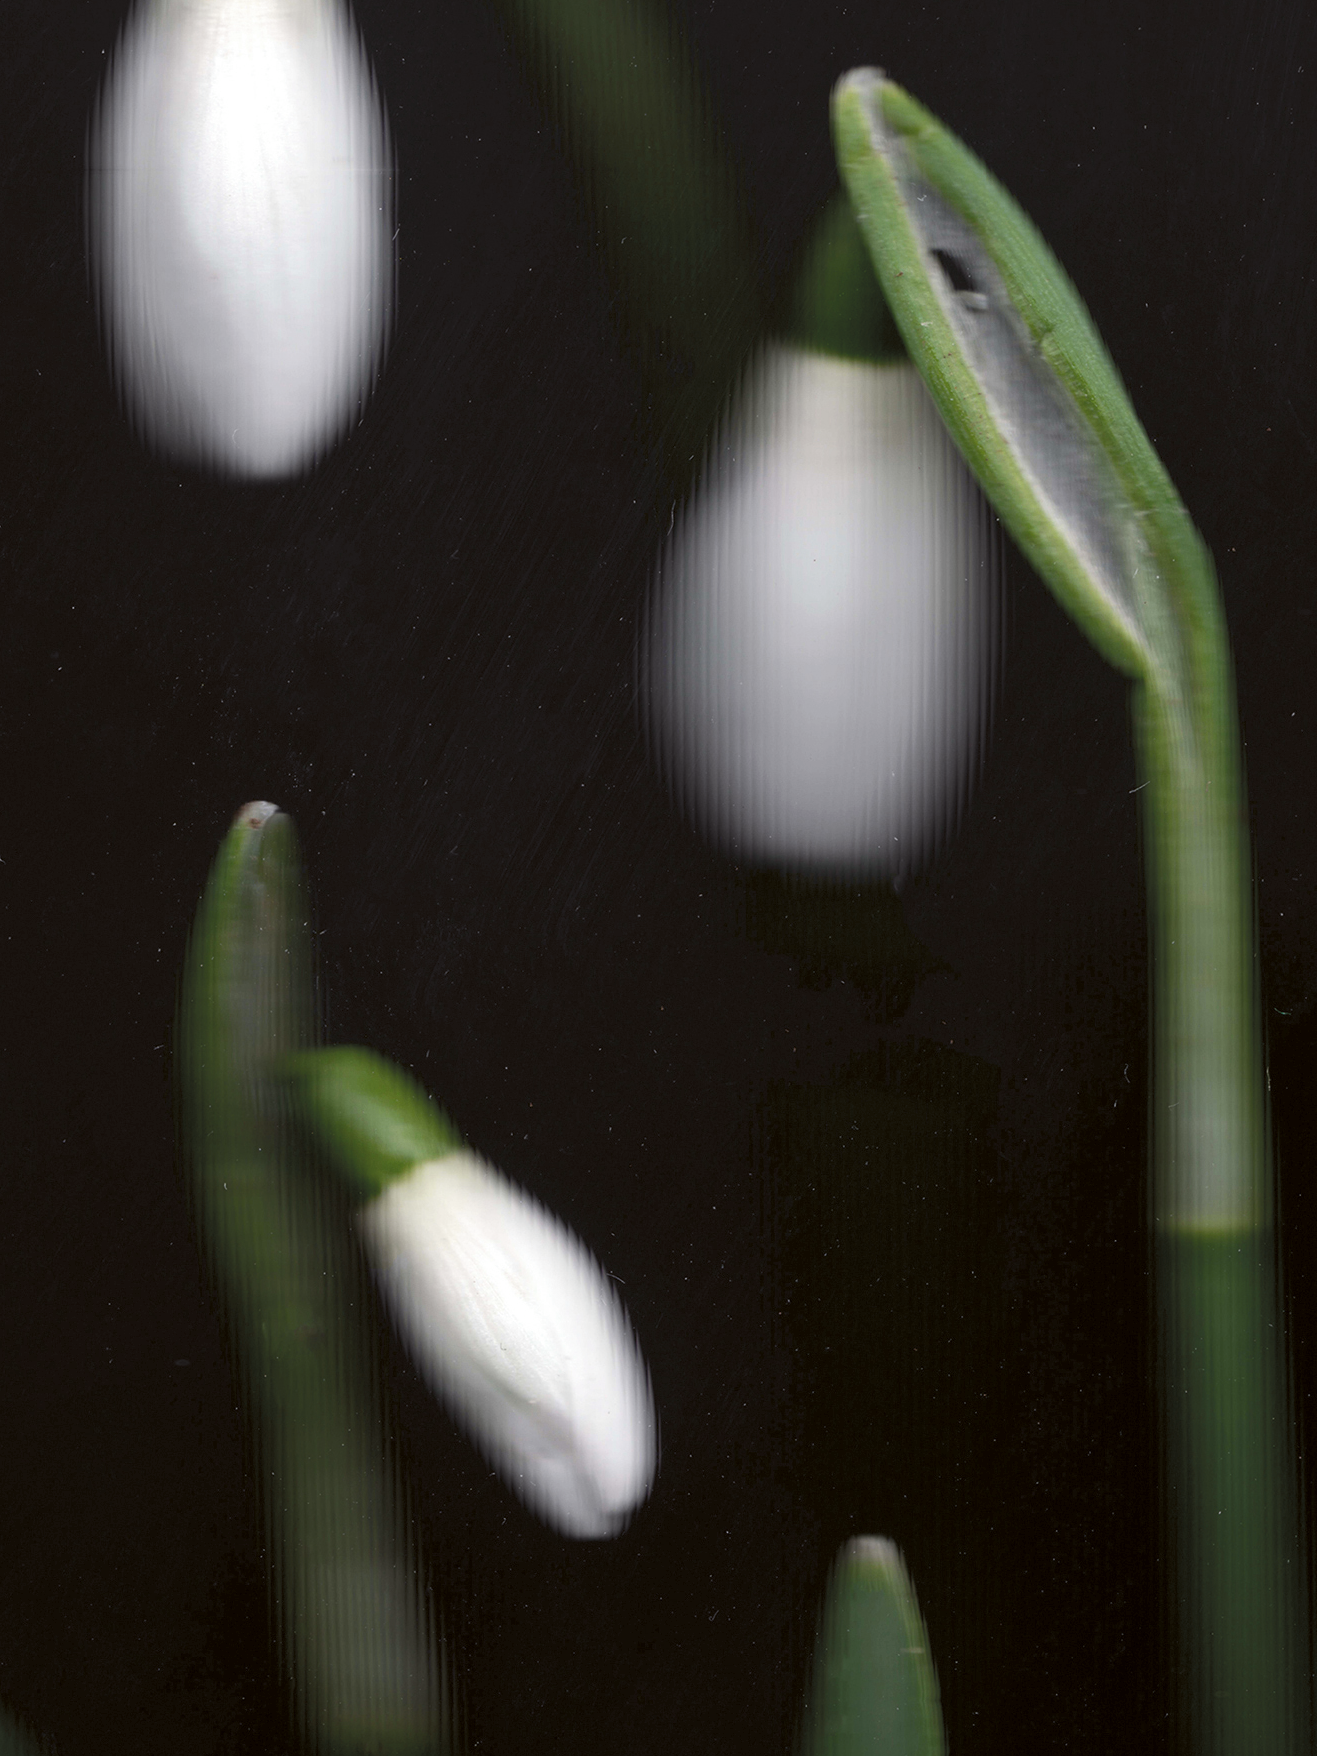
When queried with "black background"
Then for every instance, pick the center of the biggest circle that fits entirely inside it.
(872, 1172)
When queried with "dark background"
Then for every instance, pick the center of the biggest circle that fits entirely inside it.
(871, 1169)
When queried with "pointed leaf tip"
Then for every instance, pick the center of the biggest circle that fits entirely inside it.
(874, 1690)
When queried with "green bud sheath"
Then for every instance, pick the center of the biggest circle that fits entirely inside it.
(373, 1118)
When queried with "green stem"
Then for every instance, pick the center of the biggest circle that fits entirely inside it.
(634, 117)
(1238, 1609)
(355, 1643)
(1027, 389)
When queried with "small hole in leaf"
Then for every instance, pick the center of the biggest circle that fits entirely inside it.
(958, 275)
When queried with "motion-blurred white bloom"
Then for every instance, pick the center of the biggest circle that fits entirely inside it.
(240, 217)
(817, 659)
(514, 1323)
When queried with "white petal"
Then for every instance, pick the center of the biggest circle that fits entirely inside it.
(239, 204)
(514, 1323)
(818, 655)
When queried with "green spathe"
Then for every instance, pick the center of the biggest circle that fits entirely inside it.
(374, 1118)
(1021, 377)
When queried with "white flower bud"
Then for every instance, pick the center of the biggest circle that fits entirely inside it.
(240, 221)
(512, 1321)
(817, 658)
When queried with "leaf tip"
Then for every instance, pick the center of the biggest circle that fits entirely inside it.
(864, 86)
(874, 1551)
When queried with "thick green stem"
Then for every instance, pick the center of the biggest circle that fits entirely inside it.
(1237, 1608)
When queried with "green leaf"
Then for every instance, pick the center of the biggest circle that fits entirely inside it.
(375, 1119)
(352, 1638)
(15, 1739)
(1023, 382)
(874, 1690)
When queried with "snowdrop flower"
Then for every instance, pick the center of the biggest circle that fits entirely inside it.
(505, 1313)
(817, 654)
(513, 1321)
(240, 221)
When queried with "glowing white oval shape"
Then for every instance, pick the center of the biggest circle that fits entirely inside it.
(240, 222)
(817, 660)
(512, 1321)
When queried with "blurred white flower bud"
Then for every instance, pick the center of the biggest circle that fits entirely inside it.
(510, 1318)
(816, 665)
(240, 226)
